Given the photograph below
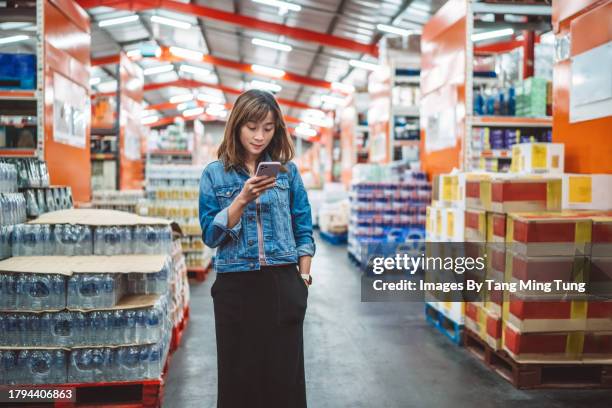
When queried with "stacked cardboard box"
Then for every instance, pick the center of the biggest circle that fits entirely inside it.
(562, 325)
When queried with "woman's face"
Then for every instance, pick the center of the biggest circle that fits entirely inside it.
(256, 136)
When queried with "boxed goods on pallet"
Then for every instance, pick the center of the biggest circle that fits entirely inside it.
(487, 325)
(334, 217)
(587, 192)
(508, 193)
(453, 224)
(601, 236)
(451, 189)
(475, 225)
(550, 234)
(538, 158)
(545, 345)
(70, 315)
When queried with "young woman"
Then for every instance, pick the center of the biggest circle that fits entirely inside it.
(262, 229)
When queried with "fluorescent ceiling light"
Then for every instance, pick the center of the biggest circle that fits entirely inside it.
(149, 120)
(171, 22)
(393, 30)
(193, 112)
(334, 100)
(109, 86)
(149, 112)
(13, 39)
(185, 105)
(271, 44)
(215, 107)
(187, 54)
(134, 53)
(412, 10)
(13, 25)
(305, 131)
(314, 113)
(266, 86)
(194, 70)
(487, 35)
(364, 65)
(118, 20)
(181, 98)
(268, 71)
(321, 122)
(159, 69)
(339, 86)
(210, 98)
(94, 81)
(280, 4)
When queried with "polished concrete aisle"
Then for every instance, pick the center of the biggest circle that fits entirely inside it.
(369, 355)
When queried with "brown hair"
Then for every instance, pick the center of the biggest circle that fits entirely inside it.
(253, 106)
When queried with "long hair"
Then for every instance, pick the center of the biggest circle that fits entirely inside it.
(253, 106)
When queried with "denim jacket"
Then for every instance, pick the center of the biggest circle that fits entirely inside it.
(285, 219)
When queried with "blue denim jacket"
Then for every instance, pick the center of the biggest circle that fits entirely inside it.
(285, 217)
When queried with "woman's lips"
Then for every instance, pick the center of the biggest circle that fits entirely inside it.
(256, 146)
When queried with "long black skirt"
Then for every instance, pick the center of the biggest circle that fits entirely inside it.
(259, 318)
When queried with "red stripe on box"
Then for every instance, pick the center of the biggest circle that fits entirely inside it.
(602, 232)
(599, 310)
(494, 327)
(471, 311)
(543, 271)
(519, 343)
(472, 189)
(508, 191)
(499, 225)
(498, 260)
(596, 343)
(543, 232)
(472, 220)
(523, 310)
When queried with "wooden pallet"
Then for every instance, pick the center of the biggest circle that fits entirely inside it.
(451, 329)
(540, 375)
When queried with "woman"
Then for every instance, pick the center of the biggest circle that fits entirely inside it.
(262, 228)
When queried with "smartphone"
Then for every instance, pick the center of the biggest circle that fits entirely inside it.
(268, 169)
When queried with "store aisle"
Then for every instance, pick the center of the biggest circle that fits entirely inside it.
(362, 355)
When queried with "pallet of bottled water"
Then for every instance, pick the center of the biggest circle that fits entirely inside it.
(83, 365)
(72, 328)
(82, 291)
(81, 240)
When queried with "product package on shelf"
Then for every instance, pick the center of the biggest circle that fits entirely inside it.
(537, 158)
(78, 314)
(388, 212)
(531, 97)
(12, 206)
(125, 200)
(172, 192)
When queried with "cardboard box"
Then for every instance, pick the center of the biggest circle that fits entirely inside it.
(455, 311)
(453, 224)
(475, 225)
(538, 158)
(530, 316)
(570, 270)
(496, 229)
(434, 227)
(488, 326)
(602, 236)
(599, 315)
(550, 234)
(523, 194)
(600, 277)
(539, 347)
(451, 190)
(587, 192)
(478, 190)
(97, 218)
(597, 346)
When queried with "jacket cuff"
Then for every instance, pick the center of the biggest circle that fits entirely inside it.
(220, 221)
(306, 249)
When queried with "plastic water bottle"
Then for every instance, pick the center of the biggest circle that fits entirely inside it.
(58, 290)
(90, 291)
(23, 358)
(110, 289)
(21, 290)
(130, 327)
(63, 329)
(46, 329)
(112, 366)
(141, 326)
(155, 357)
(129, 363)
(32, 331)
(143, 358)
(59, 367)
(8, 360)
(81, 334)
(73, 299)
(39, 290)
(118, 324)
(99, 326)
(153, 325)
(40, 367)
(81, 366)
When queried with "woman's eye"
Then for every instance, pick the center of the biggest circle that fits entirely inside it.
(251, 128)
(269, 129)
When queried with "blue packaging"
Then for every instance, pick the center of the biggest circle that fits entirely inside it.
(17, 71)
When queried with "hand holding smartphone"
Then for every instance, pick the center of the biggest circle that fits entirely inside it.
(269, 169)
(264, 179)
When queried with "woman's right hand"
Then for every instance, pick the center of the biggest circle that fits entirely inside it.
(254, 187)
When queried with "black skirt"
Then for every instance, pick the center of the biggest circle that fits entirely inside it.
(259, 318)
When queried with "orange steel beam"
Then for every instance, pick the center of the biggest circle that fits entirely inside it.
(296, 33)
(170, 119)
(167, 56)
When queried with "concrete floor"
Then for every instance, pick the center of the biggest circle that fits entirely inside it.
(369, 355)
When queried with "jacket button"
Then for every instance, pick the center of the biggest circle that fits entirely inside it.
(251, 242)
(251, 218)
(251, 265)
